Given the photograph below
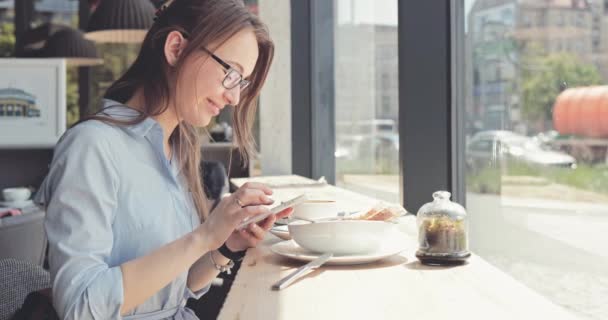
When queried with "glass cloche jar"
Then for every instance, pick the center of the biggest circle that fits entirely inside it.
(442, 231)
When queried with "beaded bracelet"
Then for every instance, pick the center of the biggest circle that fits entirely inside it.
(222, 268)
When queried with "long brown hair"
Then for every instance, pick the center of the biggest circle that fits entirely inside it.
(203, 22)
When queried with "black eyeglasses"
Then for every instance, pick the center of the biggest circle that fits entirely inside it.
(232, 78)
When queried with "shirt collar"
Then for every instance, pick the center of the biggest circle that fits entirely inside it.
(120, 111)
(149, 129)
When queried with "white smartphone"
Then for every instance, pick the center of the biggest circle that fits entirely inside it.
(284, 205)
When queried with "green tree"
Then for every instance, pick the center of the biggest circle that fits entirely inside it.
(73, 112)
(553, 73)
(7, 40)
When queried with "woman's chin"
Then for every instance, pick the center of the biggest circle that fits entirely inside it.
(199, 121)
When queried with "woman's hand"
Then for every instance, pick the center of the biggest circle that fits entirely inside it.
(249, 237)
(247, 201)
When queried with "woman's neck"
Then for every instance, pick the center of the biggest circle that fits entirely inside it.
(167, 120)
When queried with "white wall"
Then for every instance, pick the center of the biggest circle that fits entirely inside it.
(275, 99)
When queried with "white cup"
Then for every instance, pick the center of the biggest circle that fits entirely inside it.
(316, 209)
(16, 194)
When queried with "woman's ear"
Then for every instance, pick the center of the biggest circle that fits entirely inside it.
(174, 46)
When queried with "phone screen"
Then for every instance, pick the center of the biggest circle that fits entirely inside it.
(284, 205)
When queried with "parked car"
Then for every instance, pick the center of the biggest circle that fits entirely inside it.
(546, 137)
(488, 147)
(347, 147)
(379, 146)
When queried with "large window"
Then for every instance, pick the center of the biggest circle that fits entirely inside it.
(366, 97)
(536, 159)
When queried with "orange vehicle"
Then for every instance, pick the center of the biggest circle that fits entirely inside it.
(582, 111)
(582, 114)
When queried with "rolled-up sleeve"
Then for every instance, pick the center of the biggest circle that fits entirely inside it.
(196, 294)
(80, 196)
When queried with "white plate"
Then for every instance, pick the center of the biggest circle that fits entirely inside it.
(281, 231)
(393, 245)
(16, 204)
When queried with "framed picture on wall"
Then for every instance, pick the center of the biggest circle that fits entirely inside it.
(32, 102)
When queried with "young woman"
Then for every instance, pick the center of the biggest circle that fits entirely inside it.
(130, 235)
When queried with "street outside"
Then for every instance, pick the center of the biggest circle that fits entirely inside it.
(550, 237)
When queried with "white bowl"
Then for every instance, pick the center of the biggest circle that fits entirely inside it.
(316, 209)
(16, 194)
(341, 237)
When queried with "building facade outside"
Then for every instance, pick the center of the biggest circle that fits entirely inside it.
(504, 34)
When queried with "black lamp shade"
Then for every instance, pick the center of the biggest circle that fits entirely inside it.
(122, 21)
(70, 44)
(35, 38)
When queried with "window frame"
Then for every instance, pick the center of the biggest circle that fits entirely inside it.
(431, 144)
(313, 89)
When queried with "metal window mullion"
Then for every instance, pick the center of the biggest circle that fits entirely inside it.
(458, 81)
(313, 119)
(425, 100)
(323, 90)
(300, 88)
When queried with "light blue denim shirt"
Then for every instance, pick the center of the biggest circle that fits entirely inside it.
(112, 196)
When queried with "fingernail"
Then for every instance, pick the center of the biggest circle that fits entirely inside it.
(267, 199)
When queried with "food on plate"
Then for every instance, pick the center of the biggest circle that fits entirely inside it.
(380, 213)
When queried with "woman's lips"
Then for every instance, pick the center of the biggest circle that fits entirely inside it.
(214, 108)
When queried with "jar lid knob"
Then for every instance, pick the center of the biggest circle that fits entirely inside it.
(443, 195)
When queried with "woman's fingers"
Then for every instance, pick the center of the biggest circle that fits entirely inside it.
(256, 231)
(248, 236)
(267, 223)
(249, 213)
(248, 196)
(256, 185)
(284, 213)
(252, 211)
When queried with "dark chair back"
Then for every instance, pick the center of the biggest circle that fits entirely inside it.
(228, 155)
(215, 179)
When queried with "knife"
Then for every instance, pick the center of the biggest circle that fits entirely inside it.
(301, 270)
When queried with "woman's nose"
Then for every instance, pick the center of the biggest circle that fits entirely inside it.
(233, 95)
